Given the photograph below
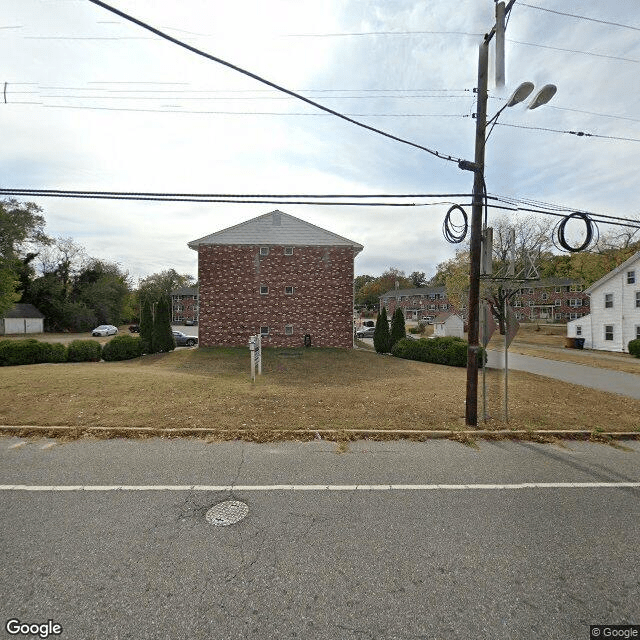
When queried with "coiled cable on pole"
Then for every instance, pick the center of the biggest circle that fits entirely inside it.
(455, 233)
(559, 232)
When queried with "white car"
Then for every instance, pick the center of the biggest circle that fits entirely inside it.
(105, 330)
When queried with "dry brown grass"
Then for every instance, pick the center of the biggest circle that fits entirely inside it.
(309, 389)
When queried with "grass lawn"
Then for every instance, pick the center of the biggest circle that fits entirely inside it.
(306, 388)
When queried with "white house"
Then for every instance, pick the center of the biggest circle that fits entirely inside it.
(615, 310)
(22, 318)
(448, 324)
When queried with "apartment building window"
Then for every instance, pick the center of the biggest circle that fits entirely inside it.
(608, 300)
(558, 289)
(517, 303)
(575, 302)
(264, 290)
(631, 277)
(288, 330)
(573, 316)
(545, 296)
(531, 303)
(264, 251)
(557, 302)
(579, 330)
(288, 291)
(575, 287)
(264, 331)
(608, 332)
(288, 251)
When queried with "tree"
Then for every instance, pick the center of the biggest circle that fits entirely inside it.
(381, 335)
(162, 284)
(369, 294)
(398, 330)
(21, 227)
(146, 326)
(162, 340)
(418, 279)
(8, 290)
(105, 288)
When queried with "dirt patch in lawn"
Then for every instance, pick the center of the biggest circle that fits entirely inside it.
(308, 389)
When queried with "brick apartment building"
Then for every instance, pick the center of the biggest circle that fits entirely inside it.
(548, 300)
(278, 276)
(184, 304)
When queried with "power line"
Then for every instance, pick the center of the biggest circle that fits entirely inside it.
(317, 105)
(575, 133)
(586, 53)
(572, 15)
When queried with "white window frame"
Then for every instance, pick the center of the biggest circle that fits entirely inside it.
(579, 330)
(637, 299)
(288, 330)
(557, 302)
(264, 331)
(264, 290)
(288, 291)
(288, 251)
(264, 251)
(608, 300)
(631, 277)
(638, 332)
(606, 333)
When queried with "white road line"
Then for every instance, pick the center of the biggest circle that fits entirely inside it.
(49, 445)
(324, 487)
(17, 445)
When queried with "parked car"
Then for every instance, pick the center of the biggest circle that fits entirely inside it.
(183, 340)
(190, 323)
(134, 328)
(105, 330)
(365, 332)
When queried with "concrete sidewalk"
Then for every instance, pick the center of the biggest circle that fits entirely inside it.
(626, 384)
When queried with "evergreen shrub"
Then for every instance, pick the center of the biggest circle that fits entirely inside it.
(381, 335)
(84, 351)
(634, 348)
(398, 329)
(122, 348)
(448, 350)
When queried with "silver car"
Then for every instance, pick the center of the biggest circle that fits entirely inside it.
(183, 340)
(105, 330)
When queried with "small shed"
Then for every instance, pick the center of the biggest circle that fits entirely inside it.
(22, 318)
(448, 324)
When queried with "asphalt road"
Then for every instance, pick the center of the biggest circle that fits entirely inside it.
(320, 556)
(626, 384)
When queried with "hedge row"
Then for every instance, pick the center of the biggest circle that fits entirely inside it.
(634, 348)
(448, 350)
(30, 351)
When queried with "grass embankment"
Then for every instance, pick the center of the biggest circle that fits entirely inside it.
(302, 389)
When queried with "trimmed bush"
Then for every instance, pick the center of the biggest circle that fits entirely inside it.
(30, 351)
(84, 351)
(634, 348)
(122, 348)
(448, 350)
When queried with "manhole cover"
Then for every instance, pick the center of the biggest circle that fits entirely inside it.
(228, 512)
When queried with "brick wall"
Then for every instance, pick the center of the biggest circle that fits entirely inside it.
(232, 307)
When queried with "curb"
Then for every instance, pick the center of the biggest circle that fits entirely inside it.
(338, 434)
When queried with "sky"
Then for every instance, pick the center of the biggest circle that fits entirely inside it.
(93, 102)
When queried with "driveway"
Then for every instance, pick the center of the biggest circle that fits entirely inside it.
(625, 384)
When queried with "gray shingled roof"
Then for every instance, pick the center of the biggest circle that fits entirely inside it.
(22, 310)
(276, 228)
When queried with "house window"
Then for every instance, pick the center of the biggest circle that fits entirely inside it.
(638, 332)
(608, 332)
(288, 330)
(288, 251)
(608, 300)
(575, 302)
(264, 290)
(264, 331)
(531, 303)
(637, 299)
(558, 316)
(545, 296)
(264, 251)
(517, 303)
(579, 330)
(288, 291)
(557, 302)
(631, 277)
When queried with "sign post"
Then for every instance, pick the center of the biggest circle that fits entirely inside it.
(255, 348)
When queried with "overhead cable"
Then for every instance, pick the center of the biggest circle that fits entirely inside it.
(573, 15)
(580, 134)
(258, 78)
